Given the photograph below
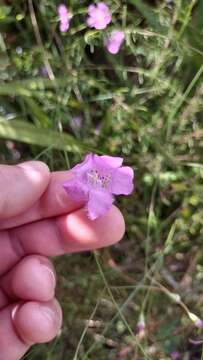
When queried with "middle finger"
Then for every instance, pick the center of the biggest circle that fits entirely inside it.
(33, 278)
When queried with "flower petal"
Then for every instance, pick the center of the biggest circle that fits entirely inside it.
(90, 22)
(99, 203)
(76, 189)
(62, 10)
(107, 164)
(118, 36)
(100, 24)
(122, 182)
(84, 166)
(112, 161)
(115, 40)
(113, 48)
(91, 9)
(102, 6)
(108, 19)
(64, 26)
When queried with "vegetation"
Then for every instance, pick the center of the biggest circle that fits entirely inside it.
(63, 95)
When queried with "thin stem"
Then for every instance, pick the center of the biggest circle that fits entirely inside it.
(39, 40)
(117, 307)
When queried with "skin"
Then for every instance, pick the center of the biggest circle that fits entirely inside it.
(37, 221)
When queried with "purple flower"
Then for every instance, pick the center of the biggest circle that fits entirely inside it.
(99, 16)
(175, 355)
(43, 71)
(64, 17)
(115, 41)
(76, 122)
(141, 325)
(96, 180)
(199, 324)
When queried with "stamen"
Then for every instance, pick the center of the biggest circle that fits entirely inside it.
(97, 180)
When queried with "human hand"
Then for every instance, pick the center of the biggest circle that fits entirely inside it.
(38, 220)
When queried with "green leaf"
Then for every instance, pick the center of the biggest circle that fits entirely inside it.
(36, 112)
(29, 86)
(22, 131)
(199, 15)
(13, 89)
(149, 14)
(4, 11)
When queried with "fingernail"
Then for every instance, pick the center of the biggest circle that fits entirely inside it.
(14, 311)
(51, 275)
(48, 268)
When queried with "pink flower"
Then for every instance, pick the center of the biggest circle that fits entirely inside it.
(64, 17)
(96, 180)
(115, 41)
(199, 324)
(76, 122)
(99, 16)
(141, 325)
(175, 355)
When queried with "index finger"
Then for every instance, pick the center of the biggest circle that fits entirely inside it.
(63, 234)
(53, 202)
(21, 186)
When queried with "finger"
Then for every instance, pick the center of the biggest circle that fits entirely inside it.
(33, 278)
(45, 320)
(25, 324)
(65, 234)
(54, 202)
(21, 186)
(4, 300)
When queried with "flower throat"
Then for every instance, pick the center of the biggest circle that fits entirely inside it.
(97, 180)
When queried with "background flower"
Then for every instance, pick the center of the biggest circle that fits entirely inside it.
(147, 104)
(199, 324)
(99, 16)
(115, 41)
(175, 355)
(64, 17)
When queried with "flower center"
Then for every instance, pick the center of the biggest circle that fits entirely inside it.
(99, 15)
(97, 180)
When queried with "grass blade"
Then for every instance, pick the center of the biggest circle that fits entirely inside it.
(22, 131)
(149, 14)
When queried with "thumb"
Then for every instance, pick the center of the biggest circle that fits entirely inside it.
(21, 186)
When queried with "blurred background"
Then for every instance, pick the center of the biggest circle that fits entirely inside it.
(62, 95)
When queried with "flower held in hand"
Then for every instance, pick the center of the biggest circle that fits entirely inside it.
(99, 16)
(96, 180)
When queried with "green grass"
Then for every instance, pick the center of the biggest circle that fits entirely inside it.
(144, 104)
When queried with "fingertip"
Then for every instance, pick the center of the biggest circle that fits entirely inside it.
(117, 218)
(38, 322)
(79, 233)
(37, 171)
(22, 185)
(113, 226)
(34, 278)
